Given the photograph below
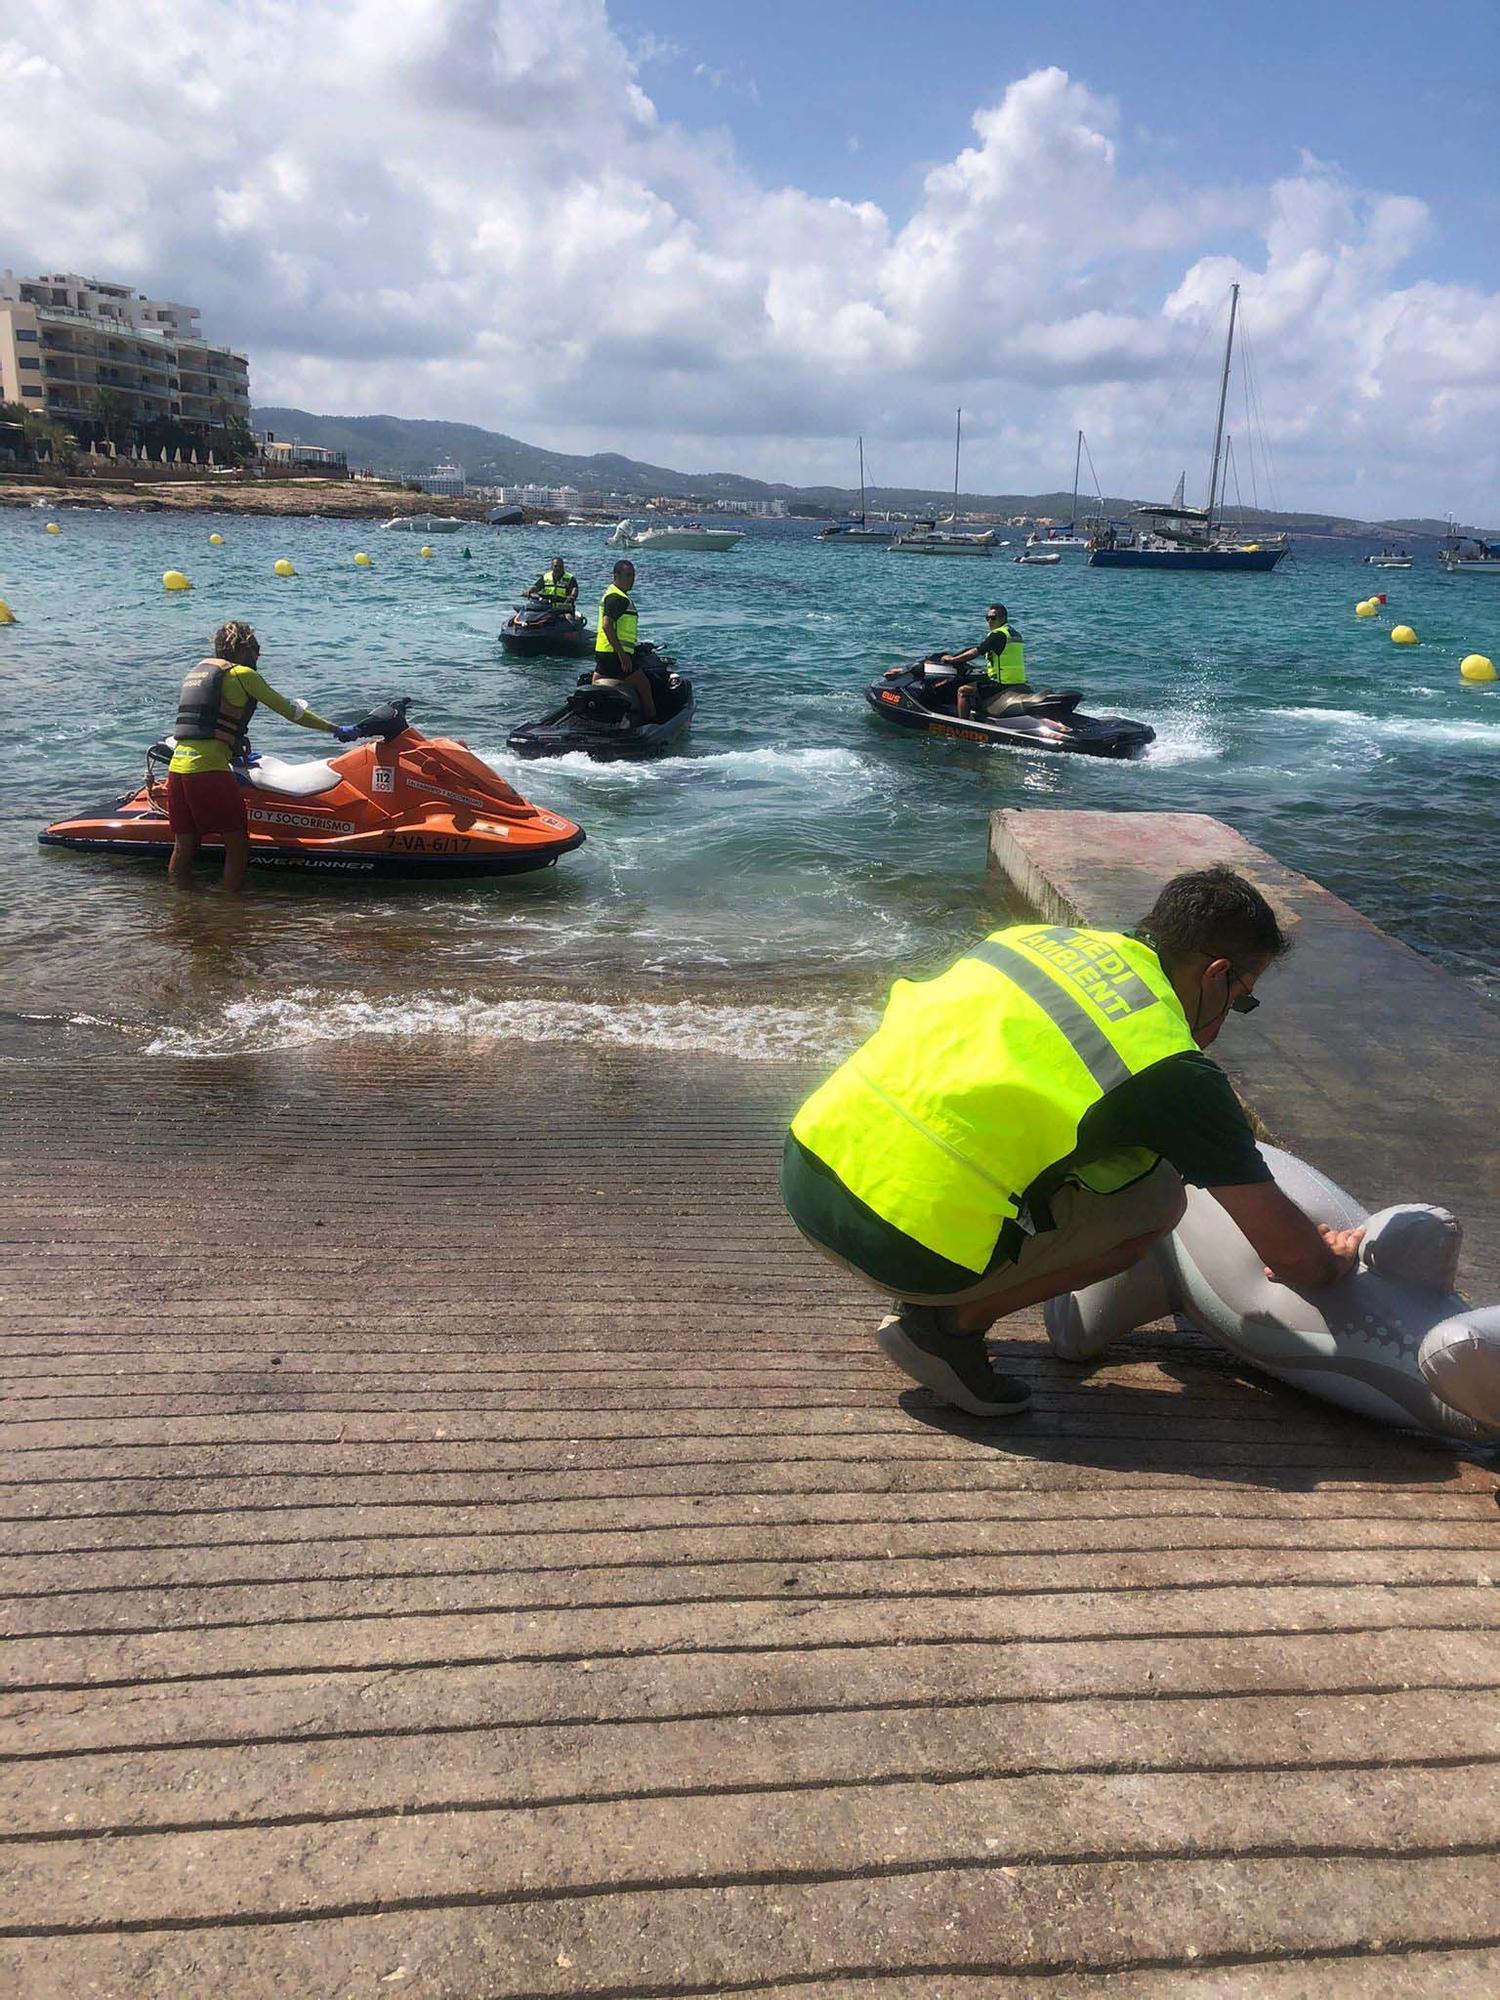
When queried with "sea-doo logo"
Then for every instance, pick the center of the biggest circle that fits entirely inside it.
(1095, 968)
(383, 778)
(310, 821)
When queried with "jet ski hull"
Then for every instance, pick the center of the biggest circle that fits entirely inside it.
(408, 805)
(546, 638)
(572, 731)
(1056, 726)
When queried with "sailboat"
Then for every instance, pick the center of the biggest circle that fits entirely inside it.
(1061, 541)
(1183, 537)
(928, 539)
(858, 531)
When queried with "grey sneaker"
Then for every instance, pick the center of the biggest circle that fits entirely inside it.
(955, 1366)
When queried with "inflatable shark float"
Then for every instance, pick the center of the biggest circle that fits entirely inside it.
(1393, 1340)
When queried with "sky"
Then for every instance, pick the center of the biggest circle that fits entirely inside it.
(737, 237)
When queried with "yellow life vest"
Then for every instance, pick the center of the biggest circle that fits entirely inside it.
(1010, 671)
(556, 588)
(616, 604)
(976, 1082)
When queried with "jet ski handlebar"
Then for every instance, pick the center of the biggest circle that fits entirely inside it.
(388, 720)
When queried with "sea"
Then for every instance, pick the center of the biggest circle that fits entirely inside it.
(756, 891)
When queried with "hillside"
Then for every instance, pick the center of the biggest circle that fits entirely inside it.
(406, 446)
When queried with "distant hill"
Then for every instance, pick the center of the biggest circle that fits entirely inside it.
(406, 446)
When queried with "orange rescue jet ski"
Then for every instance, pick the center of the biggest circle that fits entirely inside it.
(405, 804)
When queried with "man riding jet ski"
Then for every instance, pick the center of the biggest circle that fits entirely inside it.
(982, 695)
(602, 718)
(404, 804)
(925, 696)
(549, 620)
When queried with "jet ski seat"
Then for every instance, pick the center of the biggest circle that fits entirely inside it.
(297, 781)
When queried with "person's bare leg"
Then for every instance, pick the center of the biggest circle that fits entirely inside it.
(184, 853)
(640, 687)
(237, 862)
(979, 1315)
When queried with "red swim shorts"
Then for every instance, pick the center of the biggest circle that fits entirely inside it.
(209, 803)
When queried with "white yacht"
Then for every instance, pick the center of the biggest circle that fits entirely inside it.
(425, 524)
(673, 535)
(929, 538)
(859, 533)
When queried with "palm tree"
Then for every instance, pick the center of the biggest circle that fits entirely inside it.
(110, 413)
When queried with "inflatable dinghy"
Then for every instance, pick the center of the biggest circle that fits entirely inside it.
(1392, 1341)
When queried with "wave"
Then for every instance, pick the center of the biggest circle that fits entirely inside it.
(307, 1019)
(1478, 735)
(1187, 740)
(817, 761)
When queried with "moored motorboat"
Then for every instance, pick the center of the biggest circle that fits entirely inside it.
(599, 719)
(404, 804)
(924, 697)
(425, 524)
(1471, 555)
(690, 535)
(1036, 558)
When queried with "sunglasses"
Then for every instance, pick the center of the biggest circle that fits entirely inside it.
(1243, 1003)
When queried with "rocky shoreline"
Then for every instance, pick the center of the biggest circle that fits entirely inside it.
(333, 499)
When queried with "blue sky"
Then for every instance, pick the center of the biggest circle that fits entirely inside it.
(736, 236)
(1404, 97)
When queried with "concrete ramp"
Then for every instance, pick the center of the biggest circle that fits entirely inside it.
(1366, 1058)
(459, 1542)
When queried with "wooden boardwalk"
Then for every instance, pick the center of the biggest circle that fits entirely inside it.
(458, 1542)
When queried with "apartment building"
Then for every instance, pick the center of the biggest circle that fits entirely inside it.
(64, 338)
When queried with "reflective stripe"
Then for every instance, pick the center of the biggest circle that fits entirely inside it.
(1086, 1038)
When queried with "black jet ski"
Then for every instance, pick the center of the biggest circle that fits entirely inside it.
(602, 720)
(534, 627)
(925, 696)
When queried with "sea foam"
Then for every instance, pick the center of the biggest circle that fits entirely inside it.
(305, 1018)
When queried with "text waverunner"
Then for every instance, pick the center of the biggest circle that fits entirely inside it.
(404, 804)
(925, 697)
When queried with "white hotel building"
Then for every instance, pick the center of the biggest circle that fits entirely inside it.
(64, 338)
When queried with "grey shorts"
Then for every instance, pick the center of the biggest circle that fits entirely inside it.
(1086, 1225)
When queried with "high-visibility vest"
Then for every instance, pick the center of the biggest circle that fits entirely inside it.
(1010, 669)
(976, 1082)
(204, 716)
(556, 588)
(616, 604)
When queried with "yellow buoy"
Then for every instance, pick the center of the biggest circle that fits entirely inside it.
(362, 561)
(53, 529)
(1473, 667)
(216, 541)
(1366, 608)
(283, 567)
(7, 616)
(425, 549)
(173, 579)
(1403, 635)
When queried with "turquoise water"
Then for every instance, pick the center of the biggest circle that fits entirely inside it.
(755, 889)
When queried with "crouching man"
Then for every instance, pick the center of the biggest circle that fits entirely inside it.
(1022, 1125)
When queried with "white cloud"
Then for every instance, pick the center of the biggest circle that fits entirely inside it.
(471, 208)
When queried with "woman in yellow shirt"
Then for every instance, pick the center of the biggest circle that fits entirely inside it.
(205, 800)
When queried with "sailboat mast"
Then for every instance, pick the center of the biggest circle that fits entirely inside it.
(958, 432)
(1213, 477)
(862, 482)
(1077, 461)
